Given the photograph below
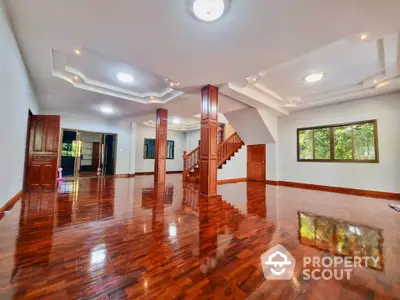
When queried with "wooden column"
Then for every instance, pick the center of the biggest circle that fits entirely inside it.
(161, 146)
(208, 138)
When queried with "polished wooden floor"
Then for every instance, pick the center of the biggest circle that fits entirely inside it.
(99, 238)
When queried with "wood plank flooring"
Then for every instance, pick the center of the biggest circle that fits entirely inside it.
(107, 238)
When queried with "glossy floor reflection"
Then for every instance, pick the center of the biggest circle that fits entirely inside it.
(124, 238)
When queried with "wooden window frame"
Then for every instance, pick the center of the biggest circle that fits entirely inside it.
(332, 143)
(168, 141)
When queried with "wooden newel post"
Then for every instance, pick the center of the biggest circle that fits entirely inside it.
(184, 173)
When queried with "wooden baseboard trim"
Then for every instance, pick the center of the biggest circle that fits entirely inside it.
(271, 182)
(152, 173)
(10, 203)
(339, 190)
(174, 172)
(124, 175)
(231, 180)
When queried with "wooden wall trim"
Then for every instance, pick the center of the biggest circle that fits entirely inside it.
(124, 175)
(10, 203)
(232, 180)
(335, 189)
(271, 182)
(152, 173)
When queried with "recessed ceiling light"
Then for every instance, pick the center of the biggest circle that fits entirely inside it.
(77, 52)
(209, 10)
(382, 84)
(290, 104)
(76, 78)
(176, 121)
(173, 84)
(363, 36)
(107, 109)
(314, 77)
(254, 79)
(125, 77)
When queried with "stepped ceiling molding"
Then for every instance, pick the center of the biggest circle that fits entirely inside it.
(357, 67)
(91, 71)
(180, 123)
(257, 53)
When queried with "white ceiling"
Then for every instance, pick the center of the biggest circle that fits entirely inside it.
(353, 69)
(161, 37)
(92, 71)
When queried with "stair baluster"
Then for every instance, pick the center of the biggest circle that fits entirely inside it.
(225, 150)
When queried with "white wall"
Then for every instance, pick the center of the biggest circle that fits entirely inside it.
(253, 126)
(272, 163)
(88, 123)
(147, 165)
(17, 97)
(384, 176)
(192, 140)
(236, 167)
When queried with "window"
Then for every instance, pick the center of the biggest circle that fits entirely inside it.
(71, 149)
(170, 149)
(149, 151)
(352, 142)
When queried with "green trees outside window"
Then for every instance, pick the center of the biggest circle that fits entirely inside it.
(352, 142)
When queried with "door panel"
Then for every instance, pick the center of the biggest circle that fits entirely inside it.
(35, 175)
(38, 130)
(43, 151)
(52, 134)
(47, 176)
(256, 163)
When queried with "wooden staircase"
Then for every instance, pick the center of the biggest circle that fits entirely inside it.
(226, 150)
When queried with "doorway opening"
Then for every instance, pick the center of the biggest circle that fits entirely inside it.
(28, 138)
(87, 154)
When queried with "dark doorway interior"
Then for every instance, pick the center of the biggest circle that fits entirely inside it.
(109, 154)
(69, 152)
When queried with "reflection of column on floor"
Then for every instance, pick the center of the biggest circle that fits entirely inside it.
(208, 232)
(158, 207)
(158, 203)
(256, 199)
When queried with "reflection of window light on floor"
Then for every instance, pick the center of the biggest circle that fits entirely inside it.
(172, 230)
(98, 255)
(355, 230)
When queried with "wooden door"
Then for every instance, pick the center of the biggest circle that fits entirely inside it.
(95, 155)
(43, 151)
(256, 163)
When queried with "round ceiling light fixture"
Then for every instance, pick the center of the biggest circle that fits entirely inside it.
(314, 77)
(107, 110)
(125, 77)
(209, 10)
